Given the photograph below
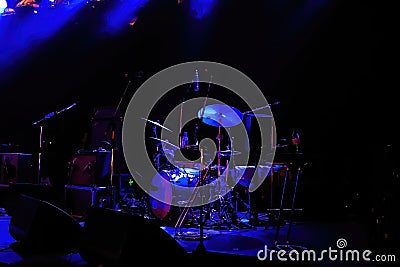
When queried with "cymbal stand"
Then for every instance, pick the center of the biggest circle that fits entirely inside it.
(111, 128)
(225, 208)
(200, 247)
(219, 153)
(247, 215)
(221, 201)
(157, 156)
(281, 207)
(237, 198)
(292, 207)
(185, 211)
(273, 219)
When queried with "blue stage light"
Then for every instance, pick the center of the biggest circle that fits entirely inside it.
(123, 14)
(201, 8)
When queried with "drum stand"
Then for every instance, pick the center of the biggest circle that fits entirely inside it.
(201, 236)
(239, 220)
(287, 246)
(272, 218)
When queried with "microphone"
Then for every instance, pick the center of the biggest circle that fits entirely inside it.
(51, 114)
(71, 106)
(275, 103)
(67, 108)
(196, 86)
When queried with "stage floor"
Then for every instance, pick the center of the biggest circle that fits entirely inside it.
(238, 244)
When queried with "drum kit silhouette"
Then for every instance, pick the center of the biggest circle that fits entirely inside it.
(220, 213)
(221, 208)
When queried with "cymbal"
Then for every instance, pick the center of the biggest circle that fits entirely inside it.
(165, 142)
(228, 153)
(157, 124)
(220, 115)
(260, 115)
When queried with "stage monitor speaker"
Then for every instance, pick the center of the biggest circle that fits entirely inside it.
(40, 191)
(116, 238)
(40, 227)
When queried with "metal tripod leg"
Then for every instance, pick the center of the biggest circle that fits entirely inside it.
(292, 207)
(281, 208)
(248, 211)
(290, 247)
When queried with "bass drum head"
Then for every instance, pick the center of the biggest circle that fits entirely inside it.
(161, 192)
(160, 195)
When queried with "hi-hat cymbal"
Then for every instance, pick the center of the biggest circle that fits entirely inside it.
(220, 115)
(157, 124)
(165, 142)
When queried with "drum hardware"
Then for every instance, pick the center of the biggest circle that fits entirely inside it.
(214, 115)
(217, 115)
(137, 206)
(168, 149)
(277, 171)
(222, 206)
(220, 115)
(297, 163)
(172, 146)
(225, 213)
(183, 138)
(178, 226)
(160, 151)
(200, 247)
(240, 221)
(234, 198)
(162, 187)
(228, 153)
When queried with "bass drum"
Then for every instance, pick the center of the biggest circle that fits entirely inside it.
(162, 193)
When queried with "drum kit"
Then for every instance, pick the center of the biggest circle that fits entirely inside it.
(220, 212)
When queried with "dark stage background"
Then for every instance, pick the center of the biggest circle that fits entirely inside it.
(319, 59)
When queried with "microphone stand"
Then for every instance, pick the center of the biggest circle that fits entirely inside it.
(111, 128)
(41, 123)
(157, 153)
(183, 99)
(201, 249)
(203, 173)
